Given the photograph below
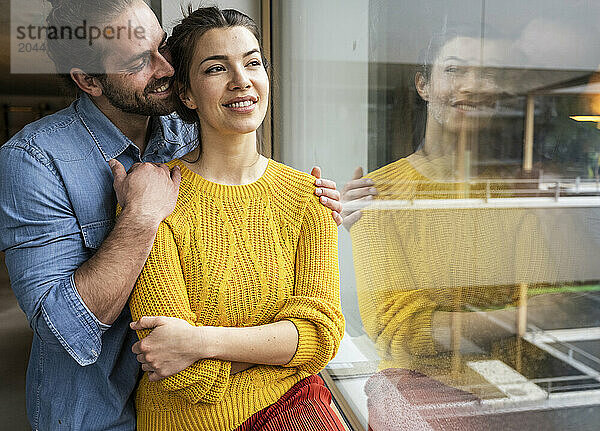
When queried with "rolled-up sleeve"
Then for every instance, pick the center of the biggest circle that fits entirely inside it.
(44, 247)
(315, 308)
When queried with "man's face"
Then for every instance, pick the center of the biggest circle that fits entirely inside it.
(139, 77)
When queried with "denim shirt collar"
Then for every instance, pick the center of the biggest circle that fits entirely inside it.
(111, 141)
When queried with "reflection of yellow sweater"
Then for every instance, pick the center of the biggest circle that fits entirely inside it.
(240, 256)
(410, 263)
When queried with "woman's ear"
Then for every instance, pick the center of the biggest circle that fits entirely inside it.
(422, 86)
(187, 100)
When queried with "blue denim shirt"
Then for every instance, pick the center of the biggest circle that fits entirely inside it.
(57, 205)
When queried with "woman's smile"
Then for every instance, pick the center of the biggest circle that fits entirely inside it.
(474, 108)
(242, 105)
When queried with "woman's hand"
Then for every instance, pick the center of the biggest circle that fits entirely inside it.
(172, 346)
(328, 194)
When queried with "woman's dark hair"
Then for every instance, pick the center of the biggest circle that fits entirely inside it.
(182, 45)
(64, 18)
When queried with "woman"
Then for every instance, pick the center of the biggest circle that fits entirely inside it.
(248, 258)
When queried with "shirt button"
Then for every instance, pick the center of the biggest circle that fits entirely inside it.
(94, 352)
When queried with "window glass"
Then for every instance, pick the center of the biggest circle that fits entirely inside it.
(470, 278)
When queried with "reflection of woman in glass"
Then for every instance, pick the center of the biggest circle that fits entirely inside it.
(422, 272)
(248, 258)
(460, 96)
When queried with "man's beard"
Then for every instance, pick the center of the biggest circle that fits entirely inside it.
(133, 102)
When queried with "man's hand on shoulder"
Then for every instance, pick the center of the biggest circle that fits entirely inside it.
(148, 191)
(328, 194)
(147, 194)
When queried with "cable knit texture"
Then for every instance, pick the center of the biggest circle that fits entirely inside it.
(412, 263)
(240, 256)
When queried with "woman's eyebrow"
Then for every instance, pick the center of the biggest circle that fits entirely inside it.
(224, 57)
(255, 50)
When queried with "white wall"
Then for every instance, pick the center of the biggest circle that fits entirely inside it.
(322, 76)
(171, 9)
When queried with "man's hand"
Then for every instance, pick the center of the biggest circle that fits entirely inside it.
(148, 190)
(328, 195)
(172, 346)
(359, 192)
(147, 195)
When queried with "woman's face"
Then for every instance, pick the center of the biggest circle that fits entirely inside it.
(461, 94)
(229, 87)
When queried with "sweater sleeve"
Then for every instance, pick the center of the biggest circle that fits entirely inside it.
(161, 291)
(314, 308)
(395, 313)
(406, 270)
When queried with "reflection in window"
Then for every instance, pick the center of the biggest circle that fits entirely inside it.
(476, 266)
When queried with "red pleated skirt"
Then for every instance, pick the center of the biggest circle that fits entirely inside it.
(305, 407)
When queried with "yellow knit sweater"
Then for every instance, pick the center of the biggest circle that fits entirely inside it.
(410, 263)
(240, 256)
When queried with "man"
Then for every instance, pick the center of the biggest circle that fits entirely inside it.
(72, 267)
